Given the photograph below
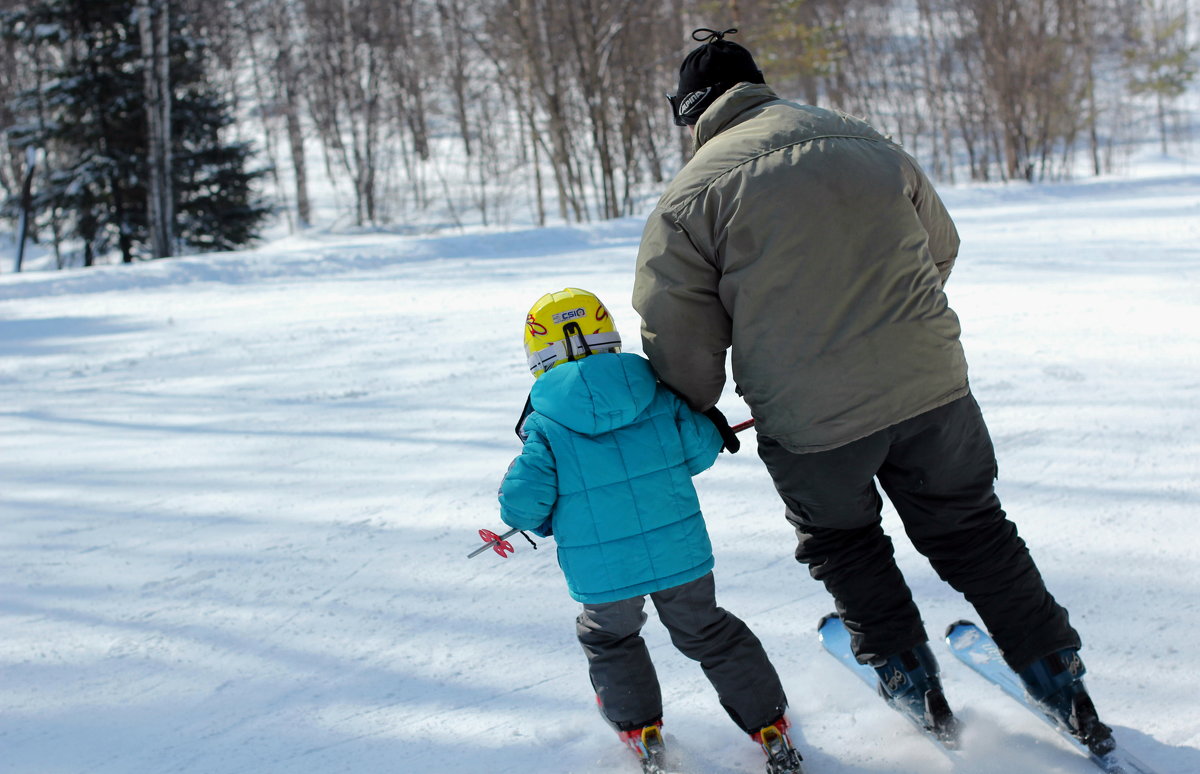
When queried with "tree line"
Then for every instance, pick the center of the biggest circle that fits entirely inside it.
(136, 116)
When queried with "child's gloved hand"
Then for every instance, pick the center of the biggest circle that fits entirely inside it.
(728, 437)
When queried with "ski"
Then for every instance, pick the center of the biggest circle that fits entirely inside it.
(654, 767)
(651, 752)
(836, 640)
(782, 758)
(656, 763)
(650, 749)
(974, 647)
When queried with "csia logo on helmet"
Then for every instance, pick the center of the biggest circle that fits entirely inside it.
(570, 314)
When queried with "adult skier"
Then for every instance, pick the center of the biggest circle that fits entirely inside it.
(818, 250)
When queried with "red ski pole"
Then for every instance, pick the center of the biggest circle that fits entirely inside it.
(740, 426)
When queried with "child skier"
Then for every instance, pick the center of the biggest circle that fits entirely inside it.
(606, 468)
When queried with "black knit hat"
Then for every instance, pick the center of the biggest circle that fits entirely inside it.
(708, 72)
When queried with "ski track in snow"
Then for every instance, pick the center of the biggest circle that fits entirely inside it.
(239, 491)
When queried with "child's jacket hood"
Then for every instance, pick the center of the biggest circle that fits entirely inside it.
(597, 394)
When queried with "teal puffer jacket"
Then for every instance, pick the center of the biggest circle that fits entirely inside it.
(607, 468)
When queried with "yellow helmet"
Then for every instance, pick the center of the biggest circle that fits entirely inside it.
(568, 325)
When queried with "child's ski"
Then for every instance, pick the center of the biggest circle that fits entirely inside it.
(648, 745)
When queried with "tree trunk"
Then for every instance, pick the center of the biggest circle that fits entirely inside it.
(299, 167)
(26, 204)
(290, 92)
(154, 28)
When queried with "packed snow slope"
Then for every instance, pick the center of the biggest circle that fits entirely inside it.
(238, 493)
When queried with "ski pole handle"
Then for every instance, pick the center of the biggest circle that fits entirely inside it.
(495, 542)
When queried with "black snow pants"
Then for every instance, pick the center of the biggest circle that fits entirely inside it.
(938, 470)
(731, 656)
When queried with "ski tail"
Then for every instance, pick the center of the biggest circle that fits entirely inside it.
(925, 706)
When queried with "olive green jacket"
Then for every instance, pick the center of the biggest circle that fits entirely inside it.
(817, 249)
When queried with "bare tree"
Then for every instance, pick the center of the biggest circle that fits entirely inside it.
(472, 100)
(456, 43)
(285, 39)
(154, 28)
(346, 99)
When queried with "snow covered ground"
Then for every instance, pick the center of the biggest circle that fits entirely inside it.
(237, 493)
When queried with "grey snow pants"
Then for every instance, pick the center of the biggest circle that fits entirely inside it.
(730, 655)
(938, 470)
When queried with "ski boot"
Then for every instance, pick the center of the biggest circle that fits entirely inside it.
(909, 682)
(782, 758)
(647, 744)
(1055, 683)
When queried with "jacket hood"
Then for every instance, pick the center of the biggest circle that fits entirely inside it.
(732, 108)
(597, 394)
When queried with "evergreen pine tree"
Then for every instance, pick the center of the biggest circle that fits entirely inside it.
(215, 204)
(89, 114)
